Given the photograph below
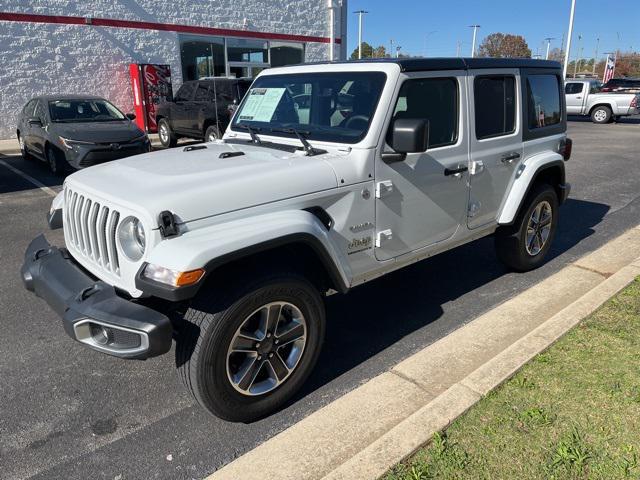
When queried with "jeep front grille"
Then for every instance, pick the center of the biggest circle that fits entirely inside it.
(91, 229)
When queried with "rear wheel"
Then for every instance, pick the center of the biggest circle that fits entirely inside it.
(601, 114)
(23, 148)
(168, 139)
(211, 134)
(524, 245)
(245, 353)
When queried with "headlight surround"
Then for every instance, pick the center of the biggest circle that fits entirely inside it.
(132, 238)
(68, 143)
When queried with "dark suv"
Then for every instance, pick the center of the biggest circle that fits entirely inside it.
(200, 109)
(627, 85)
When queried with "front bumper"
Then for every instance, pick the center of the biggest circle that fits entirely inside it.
(82, 156)
(92, 312)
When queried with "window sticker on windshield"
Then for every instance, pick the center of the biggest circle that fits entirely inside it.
(261, 104)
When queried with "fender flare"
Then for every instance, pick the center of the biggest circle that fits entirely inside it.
(522, 185)
(214, 246)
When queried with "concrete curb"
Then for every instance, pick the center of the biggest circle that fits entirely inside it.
(368, 430)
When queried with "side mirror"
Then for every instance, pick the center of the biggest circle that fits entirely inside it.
(35, 122)
(408, 135)
(131, 116)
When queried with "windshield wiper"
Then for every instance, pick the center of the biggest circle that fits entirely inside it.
(252, 132)
(302, 136)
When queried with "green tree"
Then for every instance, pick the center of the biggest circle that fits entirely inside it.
(503, 45)
(367, 51)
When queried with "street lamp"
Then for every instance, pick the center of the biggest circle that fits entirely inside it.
(360, 13)
(398, 47)
(566, 53)
(548, 39)
(595, 57)
(473, 43)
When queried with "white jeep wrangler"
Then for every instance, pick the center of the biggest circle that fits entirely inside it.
(329, 176)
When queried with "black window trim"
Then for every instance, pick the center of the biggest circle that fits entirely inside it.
(541, 132)
(515, 114)
(458, 103)
(193, 90)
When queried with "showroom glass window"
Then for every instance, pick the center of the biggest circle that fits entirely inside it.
(495, 105)
(435, 100)
(543, 97)
(285, 53)
(201, 57)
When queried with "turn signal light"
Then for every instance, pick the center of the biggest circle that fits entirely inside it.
(189, 278)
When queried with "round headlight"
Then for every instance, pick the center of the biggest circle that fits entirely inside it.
(132, 238)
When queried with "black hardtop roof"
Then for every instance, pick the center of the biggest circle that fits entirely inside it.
(455, 63)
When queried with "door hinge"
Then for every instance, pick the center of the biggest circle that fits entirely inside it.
(383, 236)
(384, 188)
(477, 166)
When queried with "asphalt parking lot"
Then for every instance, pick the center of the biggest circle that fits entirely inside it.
(67, 412)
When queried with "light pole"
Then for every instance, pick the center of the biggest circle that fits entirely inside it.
(566, 54)
(548, 39)
(473, 43)
(425, 40)
(459, 44)
(398, 47)
(575, 65)
(595, 57)
(360, 13)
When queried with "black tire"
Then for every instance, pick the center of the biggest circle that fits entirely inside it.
(601, 114)
(168, 138)
(56, 161)
(211, 133)
(209, 326)
(511, 241)
(23, 149)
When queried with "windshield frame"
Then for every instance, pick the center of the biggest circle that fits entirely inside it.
(308, 129)
(108, 104)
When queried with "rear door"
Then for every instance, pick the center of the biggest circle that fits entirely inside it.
(39, 133)
(496, 140)
(422, 199)
(202, 107)
(181, 107)
(575, 94)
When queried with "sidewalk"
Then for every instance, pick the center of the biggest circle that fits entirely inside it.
(367, 431)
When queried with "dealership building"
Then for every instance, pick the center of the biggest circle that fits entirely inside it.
(49, 47)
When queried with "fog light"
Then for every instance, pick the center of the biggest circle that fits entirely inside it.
(100, 334)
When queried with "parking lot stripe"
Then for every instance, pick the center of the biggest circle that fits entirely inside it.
(40, 185)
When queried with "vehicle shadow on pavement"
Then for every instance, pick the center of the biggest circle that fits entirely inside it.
(11, 182)
(635, 120)
(374, 316)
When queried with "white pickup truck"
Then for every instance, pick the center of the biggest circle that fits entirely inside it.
(583, 97)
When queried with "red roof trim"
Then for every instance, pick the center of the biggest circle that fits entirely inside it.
(168, 27)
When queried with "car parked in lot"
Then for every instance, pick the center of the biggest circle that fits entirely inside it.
(201, 109)
(629, 85)
(77, 131)
(230, 247)
(585, 97)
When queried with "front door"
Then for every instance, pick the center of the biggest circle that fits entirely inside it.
(181, 115)
(496, 141)
(420, 200)
(575, 95)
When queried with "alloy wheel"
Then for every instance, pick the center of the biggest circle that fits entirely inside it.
(539, 228)
(267, 348)
(164, 134)
(600, 115)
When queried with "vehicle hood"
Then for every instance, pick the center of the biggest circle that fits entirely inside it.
(98, 132)
(198, 183)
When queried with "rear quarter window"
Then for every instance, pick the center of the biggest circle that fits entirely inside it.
(543, 99)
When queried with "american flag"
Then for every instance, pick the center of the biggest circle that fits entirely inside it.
(609, 69)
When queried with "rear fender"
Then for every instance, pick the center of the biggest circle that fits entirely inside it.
(525, 179)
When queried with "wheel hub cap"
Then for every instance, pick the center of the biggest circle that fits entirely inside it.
(539, 228)
(267, 348)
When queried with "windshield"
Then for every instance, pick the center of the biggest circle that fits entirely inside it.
(84, 111)
(332, 107)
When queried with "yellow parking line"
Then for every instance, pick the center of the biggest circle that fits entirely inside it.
(37, 183)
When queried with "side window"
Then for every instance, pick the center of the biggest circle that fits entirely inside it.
(595, 87)
(202, 92)
(28, 108)
(224, 92)
(433, 99)
(185, 92)
(543, 100)
(573, 88)
(495, 105)
(40, 112)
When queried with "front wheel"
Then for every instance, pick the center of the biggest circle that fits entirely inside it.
(211, 134)
(56, 161)
(244, 354)
(523, 246)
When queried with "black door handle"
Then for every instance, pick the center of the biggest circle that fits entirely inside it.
(454, 171)
(510, 157)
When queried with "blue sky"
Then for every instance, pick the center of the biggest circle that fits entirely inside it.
(409, 23)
